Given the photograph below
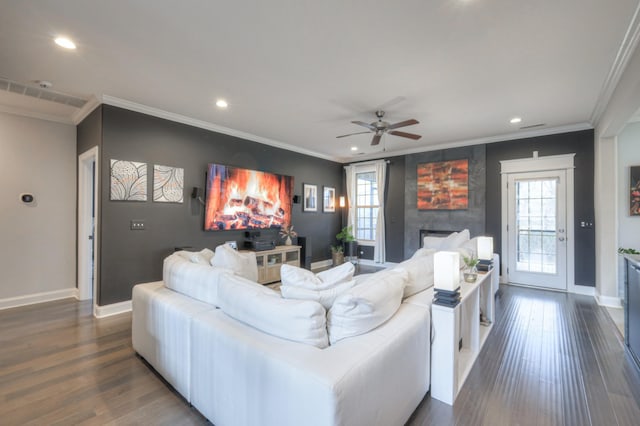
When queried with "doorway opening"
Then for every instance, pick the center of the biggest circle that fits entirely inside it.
(87, 225)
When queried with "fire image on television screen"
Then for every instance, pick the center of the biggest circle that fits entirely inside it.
(245, 199)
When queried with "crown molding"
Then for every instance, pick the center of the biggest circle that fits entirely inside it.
(626, 50)
(178, 118)
(32, 114)
(478, 141)
(92, 103)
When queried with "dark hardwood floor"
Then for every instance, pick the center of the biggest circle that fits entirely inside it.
(551, 359)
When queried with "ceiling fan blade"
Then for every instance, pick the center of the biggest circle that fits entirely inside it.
(351, 134)
(402, 124)
(376, 139)
(406, 135)
(367, 125)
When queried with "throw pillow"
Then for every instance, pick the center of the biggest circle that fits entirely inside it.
(455, 240)
(257, 306)
(325, 297)
(243, 264)
(367, 305)
(298, 277)
(471, 246)
(336, 275)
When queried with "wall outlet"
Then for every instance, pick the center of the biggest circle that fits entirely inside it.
(137, 225)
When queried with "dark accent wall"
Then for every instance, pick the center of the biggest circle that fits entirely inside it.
(89, 135)
(131, 257)
(582, 144)
(472, 218)
(89, 132)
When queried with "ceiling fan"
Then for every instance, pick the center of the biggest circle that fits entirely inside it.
(381, 127)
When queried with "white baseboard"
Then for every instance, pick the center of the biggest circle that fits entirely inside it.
(30, 299)
(610, 302)
(113, 309)
(582, 289)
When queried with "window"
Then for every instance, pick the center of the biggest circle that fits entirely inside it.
(366, 206)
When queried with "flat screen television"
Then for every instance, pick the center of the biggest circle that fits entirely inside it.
(246, 199)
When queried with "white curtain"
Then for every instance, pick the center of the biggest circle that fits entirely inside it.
(351, 192)
(379, 251)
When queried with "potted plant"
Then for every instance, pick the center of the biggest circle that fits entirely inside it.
(348, 240)
(286, 233)
(337, 255)
(470, 272)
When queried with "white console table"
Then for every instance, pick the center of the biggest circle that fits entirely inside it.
(458, 337)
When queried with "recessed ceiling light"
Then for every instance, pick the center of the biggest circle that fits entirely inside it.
(65, 42)
(354, 148)
(221, 103)
(515, 120)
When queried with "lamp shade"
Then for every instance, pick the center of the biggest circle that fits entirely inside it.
(342, 203)
(485, 248)
(446, 270)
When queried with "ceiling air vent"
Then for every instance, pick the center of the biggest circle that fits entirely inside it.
(533, 126)
(41, 93)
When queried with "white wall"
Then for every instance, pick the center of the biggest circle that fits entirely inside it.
(628, 226)
(37, 250)
(624, 102)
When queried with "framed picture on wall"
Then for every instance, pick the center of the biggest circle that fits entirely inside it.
(443, 185)
(128, 181)
(634, 191)
(329, 199)
(310, 198)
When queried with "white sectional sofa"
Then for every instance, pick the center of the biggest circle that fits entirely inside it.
(237, 374)
(243, 355)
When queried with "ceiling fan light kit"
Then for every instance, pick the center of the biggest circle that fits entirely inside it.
(380, 127)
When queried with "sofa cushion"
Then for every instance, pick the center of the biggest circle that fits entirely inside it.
(367, 305)
(243, 264)
(299, 277)
(420, 274)
(423, 252)
(260, 307)
(197, 281)
(325, 297)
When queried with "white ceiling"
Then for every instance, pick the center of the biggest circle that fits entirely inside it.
(295, 73)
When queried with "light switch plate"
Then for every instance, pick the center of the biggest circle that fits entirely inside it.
(137, 225)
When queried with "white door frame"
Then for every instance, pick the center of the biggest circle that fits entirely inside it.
(540, 164)
(87, 287)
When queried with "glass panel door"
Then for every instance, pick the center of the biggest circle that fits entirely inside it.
(537, 238)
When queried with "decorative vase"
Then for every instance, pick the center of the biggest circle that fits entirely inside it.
(338, 258)
(287, 242)
(470, 275)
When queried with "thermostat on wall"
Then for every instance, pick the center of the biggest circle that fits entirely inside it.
(27, 198)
